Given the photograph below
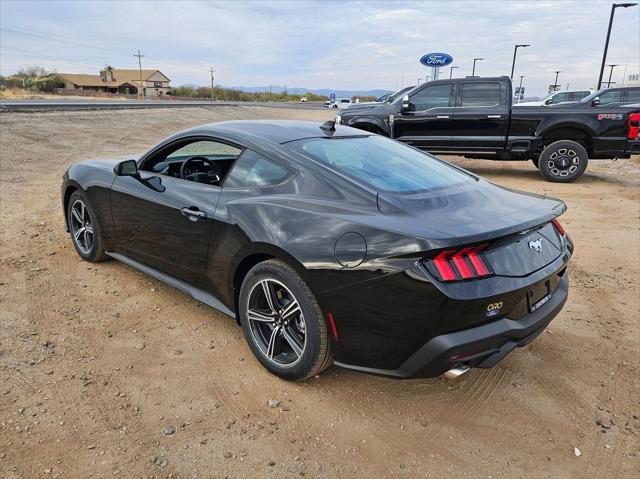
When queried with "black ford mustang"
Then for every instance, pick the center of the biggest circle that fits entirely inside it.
(331, 245)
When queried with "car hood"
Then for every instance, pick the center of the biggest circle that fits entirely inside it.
(373, 108)
(467, 213)
(529, 103)
(107, 163)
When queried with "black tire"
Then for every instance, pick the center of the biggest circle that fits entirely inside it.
(563, 161)
(89, 246)
(286, 287)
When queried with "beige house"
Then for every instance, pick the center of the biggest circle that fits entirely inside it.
(111, 80)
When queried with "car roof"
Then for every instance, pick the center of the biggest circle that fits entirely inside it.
(276, 131)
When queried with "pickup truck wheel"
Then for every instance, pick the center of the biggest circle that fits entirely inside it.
(563, 161)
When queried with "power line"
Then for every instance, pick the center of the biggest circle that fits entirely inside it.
(45, 57)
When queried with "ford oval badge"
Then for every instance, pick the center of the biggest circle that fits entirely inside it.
(436, 60)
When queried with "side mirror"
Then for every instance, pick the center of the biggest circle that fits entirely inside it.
(406, 104)
(595, 101)
(126, 168)
(549, 101)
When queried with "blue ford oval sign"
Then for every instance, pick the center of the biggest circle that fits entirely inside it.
(436, 60)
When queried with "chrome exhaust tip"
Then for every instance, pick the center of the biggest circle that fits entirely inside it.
(456, 372)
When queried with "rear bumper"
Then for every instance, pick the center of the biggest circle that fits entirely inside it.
(633, 147)
(481, 346)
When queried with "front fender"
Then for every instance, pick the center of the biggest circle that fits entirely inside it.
(367, 122)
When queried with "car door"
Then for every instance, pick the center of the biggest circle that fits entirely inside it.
(481, 118)
(428, 123)
(163, 220)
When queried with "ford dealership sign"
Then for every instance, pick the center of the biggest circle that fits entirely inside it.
(436, 60)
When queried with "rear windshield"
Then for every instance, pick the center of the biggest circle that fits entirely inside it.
(382, 163)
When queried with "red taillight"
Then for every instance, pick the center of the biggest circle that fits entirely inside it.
(634, 126)
(466, 263)
(477, 262)
(558, 227)
(444, 268)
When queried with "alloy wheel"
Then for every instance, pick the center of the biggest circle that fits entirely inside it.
(563, 162)
(276, 322)
(81, 226)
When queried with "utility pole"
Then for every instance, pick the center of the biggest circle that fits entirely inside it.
(606, 42)
(610, 74)
(451, 71)
(142, 89)
(515, 52)
(418, 81)
(473, 73)
(211, 71)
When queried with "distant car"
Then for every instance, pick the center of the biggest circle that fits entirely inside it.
(558, 97)
(617, 96)
(328, 103)
(330, 244)
(342, 103)
(303, 99)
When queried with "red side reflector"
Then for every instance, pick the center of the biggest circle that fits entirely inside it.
(333, 326)
(558, 227)
(634, 126)
(461, 263)
(477, 262)
(444, 268)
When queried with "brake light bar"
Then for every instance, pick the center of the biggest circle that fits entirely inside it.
(634, 126)
(467, 263)
(558, 226)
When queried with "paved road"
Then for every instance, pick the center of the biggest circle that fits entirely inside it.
(89, 104)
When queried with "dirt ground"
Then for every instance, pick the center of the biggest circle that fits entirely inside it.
(98, 360)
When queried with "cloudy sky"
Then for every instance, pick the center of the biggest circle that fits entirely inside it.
(342, 45)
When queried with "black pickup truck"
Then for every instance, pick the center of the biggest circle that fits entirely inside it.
(473, 117)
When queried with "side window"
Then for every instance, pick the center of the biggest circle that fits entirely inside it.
(432, 97)
(206, 148)
(481, 94)
(560, 97)
(633, 95)
(579, 95)
(204, 161)
(610, 96)
(253, 169)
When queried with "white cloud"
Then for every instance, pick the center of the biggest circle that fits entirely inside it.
(320, 44)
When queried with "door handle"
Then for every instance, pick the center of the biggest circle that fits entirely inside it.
(193, 214)
(494, 117)
(442, 117)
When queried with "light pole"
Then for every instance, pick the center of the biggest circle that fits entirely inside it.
(555, 83)
(426, 79)
(473, 73)
(520, 88)
(451, 71)
(515, 52)
(610, 74)
(606, 43)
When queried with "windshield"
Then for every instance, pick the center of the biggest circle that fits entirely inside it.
(588, 98)
(398, 94)
(382, 163)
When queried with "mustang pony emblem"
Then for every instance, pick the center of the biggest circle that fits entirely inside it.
(536, 245)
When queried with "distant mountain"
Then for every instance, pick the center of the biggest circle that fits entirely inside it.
(320, 91)
(301, 91)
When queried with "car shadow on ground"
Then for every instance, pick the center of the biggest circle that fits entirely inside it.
(526, 173)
